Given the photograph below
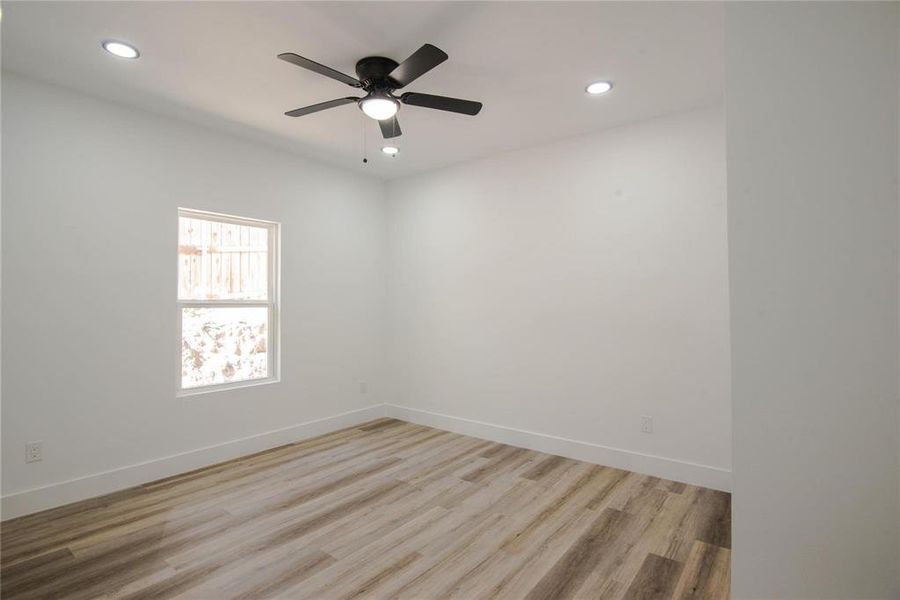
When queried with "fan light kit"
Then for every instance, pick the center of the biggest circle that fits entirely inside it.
(390, 150)
(379, 107)
(379, 77)
(598, 87)
(120, 49)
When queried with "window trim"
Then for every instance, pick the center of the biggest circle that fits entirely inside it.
(273, 303)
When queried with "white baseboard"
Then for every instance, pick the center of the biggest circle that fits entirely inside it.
(89, 486)
(81, 488)
(667, 468)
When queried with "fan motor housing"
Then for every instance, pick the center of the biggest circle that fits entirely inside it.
(374, 71)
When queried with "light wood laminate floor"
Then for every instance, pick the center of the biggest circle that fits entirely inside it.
(383, 510)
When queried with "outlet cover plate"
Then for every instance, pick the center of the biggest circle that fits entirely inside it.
(34, 452)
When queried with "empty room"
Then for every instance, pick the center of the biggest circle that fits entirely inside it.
(426, 300)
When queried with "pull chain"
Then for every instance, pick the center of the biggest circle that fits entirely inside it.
(365, 147)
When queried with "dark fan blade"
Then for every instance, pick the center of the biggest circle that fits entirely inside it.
(466, 107)
(296, 59)
(299, 112)
(422, 60)
(390, 128)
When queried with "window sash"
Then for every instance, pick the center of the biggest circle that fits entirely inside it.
(274, 329)
(223, 302)
(272, 246)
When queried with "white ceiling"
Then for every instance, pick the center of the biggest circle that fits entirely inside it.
(528, 62)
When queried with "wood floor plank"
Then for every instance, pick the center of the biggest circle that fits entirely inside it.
(706, 574)
(456, 553)
(499, 462)
(124, 558)
(708, 516)
(556, 505)
(523, 570)
(276, 577)
(544, 468)
(716, 528)
(645, 505)
(367, 560)
(656, 579)
(614, 479)
(574, 567)
(387, 509)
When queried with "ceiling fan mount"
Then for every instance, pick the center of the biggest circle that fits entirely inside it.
(380, 77)
(375, 71)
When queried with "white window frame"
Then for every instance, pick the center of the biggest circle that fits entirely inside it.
(273, 303)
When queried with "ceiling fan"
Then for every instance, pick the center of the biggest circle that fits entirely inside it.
(379, 77)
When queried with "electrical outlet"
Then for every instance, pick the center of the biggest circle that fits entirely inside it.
(363, 387)
(647, 424)
(34, 452)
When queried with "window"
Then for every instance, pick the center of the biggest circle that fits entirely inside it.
(227, 301)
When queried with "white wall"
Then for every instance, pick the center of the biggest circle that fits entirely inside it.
(90, 192)
(812, 121)
(571, 288)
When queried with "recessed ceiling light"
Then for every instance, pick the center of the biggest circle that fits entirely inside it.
(120, 49)
(598, 87)
(390, 150)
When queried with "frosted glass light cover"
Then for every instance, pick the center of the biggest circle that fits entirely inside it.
(379, 108)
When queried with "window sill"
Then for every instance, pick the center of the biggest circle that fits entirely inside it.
(223, 387)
